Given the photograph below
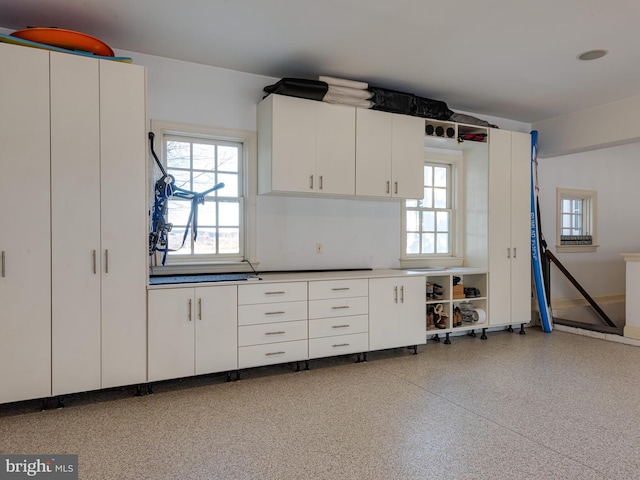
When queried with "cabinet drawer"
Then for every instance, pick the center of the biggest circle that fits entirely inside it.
(338, 289)
(330, 327)
(338, 307)
(272, 293)
(340, 345)
(282, 352)
(272, 333)
(272, 312)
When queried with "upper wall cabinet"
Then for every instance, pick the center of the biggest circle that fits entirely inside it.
(389, 155)
(305, 146)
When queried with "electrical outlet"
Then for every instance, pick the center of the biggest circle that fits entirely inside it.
(319, 249)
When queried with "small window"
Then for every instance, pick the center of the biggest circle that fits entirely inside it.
(576, 220)
(431, 225)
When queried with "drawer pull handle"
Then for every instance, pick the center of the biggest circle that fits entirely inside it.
(341, 289)
(341, 307)
(340, 345)
(3, 262)
(274, 293)
(341, 326)
(274, 353)
(274, 313)
(275, 333)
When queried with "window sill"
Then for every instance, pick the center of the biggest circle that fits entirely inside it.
(576, 248)
(433, 262)
(204, 268)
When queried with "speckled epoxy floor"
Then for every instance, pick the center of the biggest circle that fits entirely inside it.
(538, 406)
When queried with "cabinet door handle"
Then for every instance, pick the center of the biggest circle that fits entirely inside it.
(515, 252)
(274, 313)
(508, 252)
(341, 307)
(341, 289)
(106, 260)
(341, 326)
(321, 182)
(275, 333)
(402, 294)
(274, 353)
(395, 294)
(189, 310)
(3, 264)
(388, 185)
(199, 309)
(95, 268)
(395, 187)
(311, 182)
(274, 293)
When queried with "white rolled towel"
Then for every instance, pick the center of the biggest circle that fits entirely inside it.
(346, 100)
(342, 82)
(351, 92)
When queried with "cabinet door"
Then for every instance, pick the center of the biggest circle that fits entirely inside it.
(171, 333)
(521, 227)
(293, 144)
(407, 157)
(25, 276)
(216, 329)
(123, 222)
(396, 312)
(336, 149)
(75, 229)
(373, 153)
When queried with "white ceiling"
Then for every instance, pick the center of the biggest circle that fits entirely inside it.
(508, 58)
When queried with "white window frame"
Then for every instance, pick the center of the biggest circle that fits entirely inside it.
(192, 264)
(455, 160)
(589, 218)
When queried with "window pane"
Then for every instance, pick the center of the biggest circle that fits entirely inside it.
(178, 155)
(230, 181)
(229, 214)
(576, 206)
(428, 221)
(440, 177)
(228, 158)
(428, 176)
(183, 179)
(413, 221)
(443, 221)
(428, 243)
(411, 203)
(229, 240)
(175, 241)
(413, 243)
(566, 205)
(178, 212)
(440, 198)
(207, 213)
(203, 181)
(443, 243)
(204, 156)
(428, 198)
(205, 242)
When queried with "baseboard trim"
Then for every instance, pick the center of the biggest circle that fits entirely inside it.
(562, 303)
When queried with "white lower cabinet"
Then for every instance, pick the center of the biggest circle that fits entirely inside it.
(192, 331)
(338, 317)
(396, 312)
(272, 324)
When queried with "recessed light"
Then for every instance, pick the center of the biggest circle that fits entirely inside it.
(592, 54)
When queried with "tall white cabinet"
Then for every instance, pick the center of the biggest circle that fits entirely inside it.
(509, 228)
(25, 258)
(73, 153)
(98, 226)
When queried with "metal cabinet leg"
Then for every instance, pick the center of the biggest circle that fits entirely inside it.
(522, 332)
(484, 334)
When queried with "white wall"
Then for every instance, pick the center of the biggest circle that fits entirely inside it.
(614, 173)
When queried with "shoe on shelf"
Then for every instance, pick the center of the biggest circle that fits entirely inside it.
(457, 317)
(441, 320)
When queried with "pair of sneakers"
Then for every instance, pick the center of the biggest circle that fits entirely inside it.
(471, 292)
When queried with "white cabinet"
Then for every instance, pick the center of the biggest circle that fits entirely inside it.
(305, 146)
(272, 323)
(389, 155)
(25, 259)
(192, 331)
(396, 312)
(98, 223)
(338, 317)
(509, 228)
